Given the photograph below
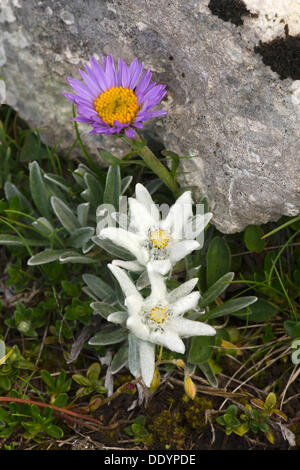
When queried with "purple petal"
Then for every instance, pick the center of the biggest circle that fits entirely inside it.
(119, 72)
(135, 71)
(83, 119)
(80, 88)
(98, 73)
(129, 133)
(152, 114)
(119, 125)
(84, 108)
(71, 97)
(125, 75)
(98, 130)
(93, 87)
(137, 124)
(110, 72)
(144, 82)
(110, 130)
(92, 74)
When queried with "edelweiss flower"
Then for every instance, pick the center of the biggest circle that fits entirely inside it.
(158, 319)
(113, 100)
(149, 238)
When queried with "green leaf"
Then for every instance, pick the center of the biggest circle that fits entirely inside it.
(5, 383)
(93, 371)
(74, 257)
(109, 157)
(233, 305)
(82, 391)
(262, 311)
(202, 285)
(71, 289)
(241, 429)
(264, 427)
(94, 191)
(54, 431)
(14, 240)
(119, 317)
(220, 420)
(46, 256)
(216, 289)
(46, 377)
(44, 226)
(81, 236)
(47, 414)
(33, 149)
(100, 288)
(209, 374)
(35, 411)
(270, 402)
(252, 238)
(114, 250)
(120, 359)
(108, 336)
(5, 416)
(218, 260)
(83, 213)
(112, 189)
(65, 215)
(103, 309)
(81, 380)
(201, 349)
(11, 190)
(232, 410)
(54, 189)
(39, 191)
(58, 180)
(292, 328)
(125, 183)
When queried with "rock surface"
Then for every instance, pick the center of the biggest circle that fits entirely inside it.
(226, 108)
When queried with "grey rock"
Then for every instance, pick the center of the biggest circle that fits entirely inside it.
(231, 117)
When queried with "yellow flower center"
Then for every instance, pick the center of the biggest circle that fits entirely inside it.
(116, 104)
(159, 238)
(159, 314)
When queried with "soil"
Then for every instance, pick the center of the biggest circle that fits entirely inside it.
(173, 421)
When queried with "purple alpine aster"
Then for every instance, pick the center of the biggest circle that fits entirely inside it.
(113, 100)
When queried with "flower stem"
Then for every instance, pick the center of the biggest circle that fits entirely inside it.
(160, 354)
(152, 162)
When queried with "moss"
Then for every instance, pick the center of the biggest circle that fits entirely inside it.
(168, 429)
(173, 426)
(195, 411)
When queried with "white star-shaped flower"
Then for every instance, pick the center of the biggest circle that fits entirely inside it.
(152, 239)
(157, 319)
